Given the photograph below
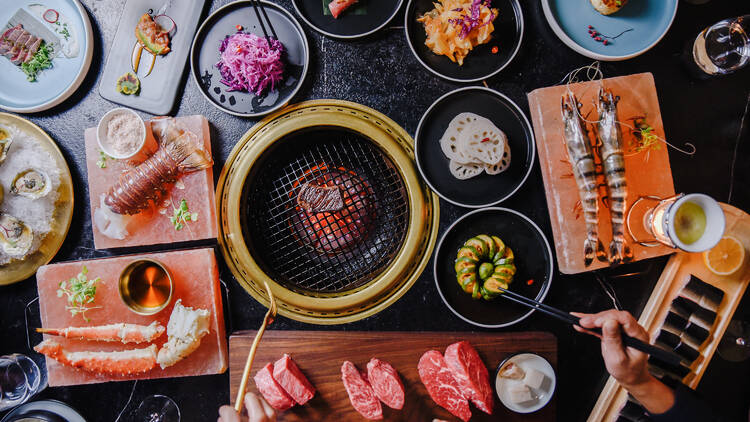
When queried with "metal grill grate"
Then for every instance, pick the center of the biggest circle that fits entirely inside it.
(273, 221)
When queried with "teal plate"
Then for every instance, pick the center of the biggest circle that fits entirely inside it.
(649, 20)
(53, 85)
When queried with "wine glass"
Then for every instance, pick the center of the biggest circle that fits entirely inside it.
(156, 408)
(735, 345)
(20, 378)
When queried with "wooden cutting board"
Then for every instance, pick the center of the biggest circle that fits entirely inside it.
(196, 281)
(152, 226)
(320, 354)
(647, 173)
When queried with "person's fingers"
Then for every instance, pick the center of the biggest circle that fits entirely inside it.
(228, 414)
(612, 347)
(254, 407)
(585, 331)
(270, 413)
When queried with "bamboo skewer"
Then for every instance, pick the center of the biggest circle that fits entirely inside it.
(267, 320)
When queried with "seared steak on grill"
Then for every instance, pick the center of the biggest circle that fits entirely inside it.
(315, 198)
(336, 230)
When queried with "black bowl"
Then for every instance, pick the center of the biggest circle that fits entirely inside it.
(533, 259)
(483, 190)
(205, 54)
(480, 63)
(362, 19)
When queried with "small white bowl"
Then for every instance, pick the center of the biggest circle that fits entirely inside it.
(543, 395)
(101, 132)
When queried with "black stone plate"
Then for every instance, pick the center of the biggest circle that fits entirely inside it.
(482, 190)
(361, 19)
(533, 259)
(480, 63)
(205, 54)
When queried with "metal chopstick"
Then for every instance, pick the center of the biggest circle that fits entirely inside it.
(258, 5)
(652, 350)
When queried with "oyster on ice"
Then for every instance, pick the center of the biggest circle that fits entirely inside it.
(15, 236)
(31, 183)
(5, 141)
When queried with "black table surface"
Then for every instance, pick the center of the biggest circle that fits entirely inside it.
(382, 73)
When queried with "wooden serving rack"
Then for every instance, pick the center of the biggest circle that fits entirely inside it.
(674, 277)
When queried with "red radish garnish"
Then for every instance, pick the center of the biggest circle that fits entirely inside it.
(165, 23)
(51, 15)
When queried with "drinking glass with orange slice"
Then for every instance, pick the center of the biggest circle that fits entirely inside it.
(726, 258)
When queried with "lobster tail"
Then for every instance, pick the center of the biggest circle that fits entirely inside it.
(188, 152)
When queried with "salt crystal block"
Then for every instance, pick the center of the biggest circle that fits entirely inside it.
(196, 281)
(152, 226)
(520, 394)
(533, 379)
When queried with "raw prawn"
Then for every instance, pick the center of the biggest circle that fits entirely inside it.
(581, 157)
(613, 164)
(180, 151)
(120, 332)
(126, 362)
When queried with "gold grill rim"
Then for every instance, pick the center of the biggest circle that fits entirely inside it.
(406, 266)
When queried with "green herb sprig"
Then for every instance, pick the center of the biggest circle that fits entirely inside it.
(182, 216)
(42, 60)
(80, 292)
(103, 157)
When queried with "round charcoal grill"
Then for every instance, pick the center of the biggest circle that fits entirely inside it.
(275, 222)
(326, 266)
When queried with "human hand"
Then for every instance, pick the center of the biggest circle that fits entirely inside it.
(627, 365)
(257, 410)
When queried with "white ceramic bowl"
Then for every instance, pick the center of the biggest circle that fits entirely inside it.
(101, 132)
(542, 395)
(715, 223)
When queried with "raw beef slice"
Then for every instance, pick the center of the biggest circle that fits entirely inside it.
(360, 392)
(271, 390)
(442, 387)
(291, 379)
(386, 383)
(470, 374)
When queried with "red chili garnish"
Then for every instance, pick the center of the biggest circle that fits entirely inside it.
(239, 27)
(605, 42)
(495, 50)
(591, 27)
(530, 282)
(598, 38)
(485, 140)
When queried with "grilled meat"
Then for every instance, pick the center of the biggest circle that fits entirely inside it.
(315, 198)
(334, 231)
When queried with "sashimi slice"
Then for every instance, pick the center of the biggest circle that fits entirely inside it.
(464, 171)
(338, 6)
(483, 141)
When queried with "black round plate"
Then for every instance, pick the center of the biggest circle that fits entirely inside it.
(481, 63)
(533, 259)
(359, 20)
(482, 190)
(48, 410)
(205, 54)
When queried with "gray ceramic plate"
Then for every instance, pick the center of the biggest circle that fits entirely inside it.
(159, 89)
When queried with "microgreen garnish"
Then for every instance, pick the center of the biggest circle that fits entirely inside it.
(103, 157)
(644, 138)
(80, 292)
(182, 215)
